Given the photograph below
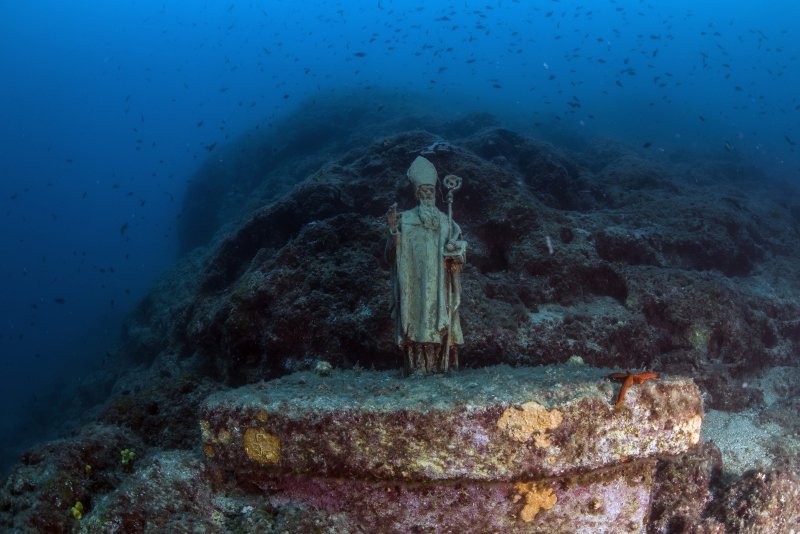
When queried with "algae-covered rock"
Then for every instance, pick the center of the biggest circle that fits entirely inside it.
(610, 500)
(763, 501)
(496, 449)
(683, 488)
(498, 423)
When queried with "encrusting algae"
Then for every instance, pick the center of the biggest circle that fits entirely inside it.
(532, 419)
(537, 498)
(262, 446)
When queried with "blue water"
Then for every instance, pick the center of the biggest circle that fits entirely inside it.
(107, 108)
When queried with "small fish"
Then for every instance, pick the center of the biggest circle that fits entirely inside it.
(60, 300)
(211, 147)
(789, 140)
(123, 229)
(360, 54)
(728, 146)
(647, 145)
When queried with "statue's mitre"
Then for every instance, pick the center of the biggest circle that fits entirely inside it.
(422, 172)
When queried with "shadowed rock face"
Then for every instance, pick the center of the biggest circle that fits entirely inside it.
(263, 164)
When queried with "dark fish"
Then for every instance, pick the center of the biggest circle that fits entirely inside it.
(728, 146)
(123, 229)
(59, 300)
(360, 54)
(199, 124)
(789, 140)
(211, 147)
(647, 145)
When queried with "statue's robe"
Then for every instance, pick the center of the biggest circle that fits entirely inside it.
(424, 291)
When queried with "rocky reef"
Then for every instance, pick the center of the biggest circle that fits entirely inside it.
(595, 253)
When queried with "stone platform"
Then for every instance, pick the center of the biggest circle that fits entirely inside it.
(493, 449)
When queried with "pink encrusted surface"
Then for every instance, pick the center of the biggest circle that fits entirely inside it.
(614, 500)
(375, 425)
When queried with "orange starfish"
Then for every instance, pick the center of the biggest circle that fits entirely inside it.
(628, 379)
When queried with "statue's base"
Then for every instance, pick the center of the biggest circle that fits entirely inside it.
(493, 449)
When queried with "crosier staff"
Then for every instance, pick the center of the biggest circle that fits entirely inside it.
(453, 184)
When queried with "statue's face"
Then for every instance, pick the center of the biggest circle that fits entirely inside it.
(426, 195)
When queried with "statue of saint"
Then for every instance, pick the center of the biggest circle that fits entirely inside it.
(426, 254)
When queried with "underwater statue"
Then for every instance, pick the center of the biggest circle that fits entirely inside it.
(426, 254)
